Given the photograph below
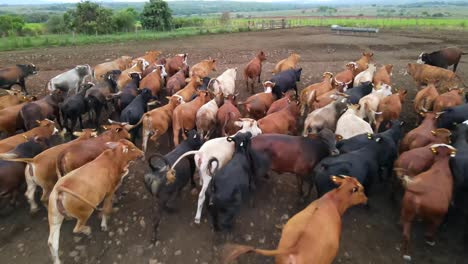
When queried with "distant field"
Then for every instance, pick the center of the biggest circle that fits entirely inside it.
(212, 25)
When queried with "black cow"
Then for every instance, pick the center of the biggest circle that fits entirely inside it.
(442, 58)
(161, 181)
(97, 97)
(74, 107)
(356, 93)
(16, 75)
(12, 173)
(135, 110)
(363, 164)
(46, 107)
(286, 80)
(231, 185)
(452, 116)
(130, 91)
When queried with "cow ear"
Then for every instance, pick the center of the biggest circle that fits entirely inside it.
(238, 124)
(338, 137)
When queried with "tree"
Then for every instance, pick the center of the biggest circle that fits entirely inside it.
(11, 25)
(225, 18)
(90, 18)
(56, 24)
(125, 20)
(156, 15)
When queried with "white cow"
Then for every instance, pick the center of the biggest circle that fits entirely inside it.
(218, 148)
(365, 76)
(350, 124)
(206, 116)
(226, 82)
(70, 80)
(370, 102)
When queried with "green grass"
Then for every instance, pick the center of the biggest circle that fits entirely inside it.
(212, 25)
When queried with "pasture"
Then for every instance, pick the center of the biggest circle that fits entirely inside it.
(368, 235)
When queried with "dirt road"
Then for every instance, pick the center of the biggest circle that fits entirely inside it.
(369, 236)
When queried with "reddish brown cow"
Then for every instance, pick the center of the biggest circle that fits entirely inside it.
(45, 129)
(414, 161)
(425, 134)
(184, 115)
(383, 76)
(154, 66)
(428, 196)
(177, 81)
(390, 108)
(425, 98)
(227, 115)
(312, 235)
(324, 99)
(190, 89)
(345, 78)
(256, 106)
(307, 99)
(153, 81)
(448, 99)
(282, 122)
(149, 58)
(363, 62)
(281, 103)
(174, 64)
(85, 151)
(253, 70)
(9, 119)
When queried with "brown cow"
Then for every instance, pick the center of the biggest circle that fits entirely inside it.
(16, 75)
(281, 103)
(428, 196)
(414, 161)
(157, 121)
(320, 88)
(46, 128)
(14, 98)
(425, 98)
(423, 73)
(282, 122)
(346, 77)
(203, 68)
(125, 78)
(227, 115)
(448, 99)
(41, 170)
(46, 107)
(154, 81)
(253, 70)
(363, 62)
(177, 81)
(288, 63)
(389, 108)
(190, 89)
(154, 66)
(85, 151)
(383, 76)
(256, 106)
(325, 99)
(121, 63)
(9, 119)
(149, 58)
(174, 64)
(184, 115)
(425, 134)
(78, 193)
(312, 235)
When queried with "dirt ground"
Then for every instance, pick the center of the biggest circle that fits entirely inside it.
(369, 236)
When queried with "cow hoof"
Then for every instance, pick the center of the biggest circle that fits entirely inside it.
(34, 210)
(194, 192)
(430, 243)
(104, 228)
(407, 257)
(197, 221)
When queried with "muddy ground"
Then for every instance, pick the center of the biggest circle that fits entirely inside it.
(369, 236)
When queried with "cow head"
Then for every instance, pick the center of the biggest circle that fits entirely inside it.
(295, 57)
(83, 70)
(261, 56)
(443, 150)
(241, 141)
(351, 66)
(159, 176)
(176, 100)
(118, 130)
(48, 124)
(268, 86)
(248, 125)
(212, 63)
(27, 69)
(329, 138)
(297, 73)
(135, 76)
(411, 68)
(389, 69)
(111, 77)
(146, 95)
(423, 58)
(327, 76)
(127, 150)
(442, 134)
(350, 190)
(367, 56)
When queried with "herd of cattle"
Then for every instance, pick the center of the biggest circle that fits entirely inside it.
(343, 131)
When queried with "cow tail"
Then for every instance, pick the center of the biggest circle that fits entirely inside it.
(233, 251)
(78, 196)
(11, 157)
(209, 168)
(192, 152)
(60, 165)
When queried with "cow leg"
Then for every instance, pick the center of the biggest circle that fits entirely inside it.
(106, 211)
(22, 83)
(81, 122)
(300, 182)
(55, 222)
(455, 67)
(31, 189)
(144, 139)
(201, 196)
(175, 135)
(80, 226)
(97, 111)
(156, 220)
(406, 239)
(73, 124)
(432, 229)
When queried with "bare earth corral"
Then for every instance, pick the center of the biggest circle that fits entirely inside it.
(369, 236)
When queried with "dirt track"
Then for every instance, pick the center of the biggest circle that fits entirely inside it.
(369, 236)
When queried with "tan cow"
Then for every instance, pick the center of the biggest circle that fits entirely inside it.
(320, 88)
(363, 62)
(448, 99)
(122, 63)
(203, 68)
(425, 98)
(345, 78)
(288, 63)
(14, 98)
(45, 129)
(423, 73)
(383, 76)
(312, 235)
(253, 70)
(125, 78)
(78, 193)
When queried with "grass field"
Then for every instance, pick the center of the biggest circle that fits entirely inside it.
(212, 25)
